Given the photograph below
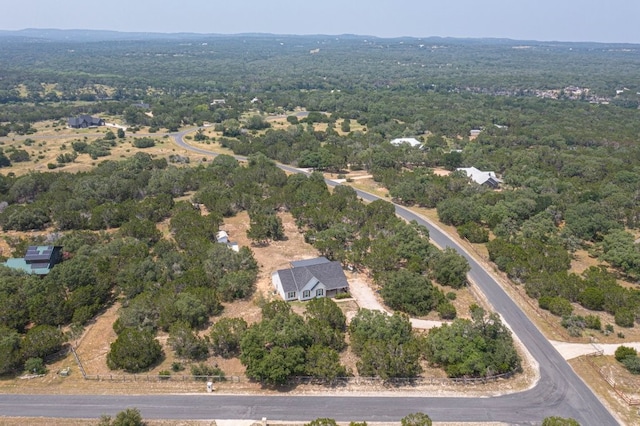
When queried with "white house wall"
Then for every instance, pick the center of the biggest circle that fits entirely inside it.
(277, 284)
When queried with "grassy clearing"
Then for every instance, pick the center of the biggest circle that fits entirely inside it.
(54, 138)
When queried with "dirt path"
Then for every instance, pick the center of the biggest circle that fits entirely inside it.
(93, 345)
(574, 350)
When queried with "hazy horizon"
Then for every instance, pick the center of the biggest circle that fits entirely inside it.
(541, 20)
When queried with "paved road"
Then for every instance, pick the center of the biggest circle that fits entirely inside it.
(559, 390)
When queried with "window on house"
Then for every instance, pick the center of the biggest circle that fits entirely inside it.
(291, 295)
(306, 294)
(319, 292)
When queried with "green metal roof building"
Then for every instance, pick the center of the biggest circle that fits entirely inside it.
(38, 260)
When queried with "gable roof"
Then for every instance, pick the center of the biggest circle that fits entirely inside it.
(410, 141)
(330, 274)
(85, 121)
(38, 260)
(309, 262)
(480, 177)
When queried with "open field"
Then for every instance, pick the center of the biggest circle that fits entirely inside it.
(53, 139)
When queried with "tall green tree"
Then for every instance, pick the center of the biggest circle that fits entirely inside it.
(134, 351)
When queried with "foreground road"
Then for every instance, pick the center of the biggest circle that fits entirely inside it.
(559, 392)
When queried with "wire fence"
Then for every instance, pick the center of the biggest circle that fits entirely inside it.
(306, 380)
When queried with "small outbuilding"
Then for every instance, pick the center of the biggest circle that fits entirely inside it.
(223, 238)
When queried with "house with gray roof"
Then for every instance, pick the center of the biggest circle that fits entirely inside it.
(310, 278)
(84, 121)
(481, 178)
(37, 260)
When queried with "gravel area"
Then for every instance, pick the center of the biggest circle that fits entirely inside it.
(574, 350)
(366, 298)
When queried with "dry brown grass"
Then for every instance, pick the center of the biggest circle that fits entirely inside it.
(628, 415)
(53, 139)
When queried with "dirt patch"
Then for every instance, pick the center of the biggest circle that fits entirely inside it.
(441, 172)
(618, 375)
(92, 347)
(628, 415)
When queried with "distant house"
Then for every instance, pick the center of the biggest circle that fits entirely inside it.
(38, 260)
(84, 121)
(311, 278)
(141, 105)
(402, 141)
(218, 102)
(480, 177)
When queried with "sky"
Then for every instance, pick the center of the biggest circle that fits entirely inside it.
(543, 20)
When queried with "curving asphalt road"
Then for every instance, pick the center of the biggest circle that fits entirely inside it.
(559, 391)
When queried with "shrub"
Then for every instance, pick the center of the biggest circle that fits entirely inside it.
(226, 335)
(128, 417)
(79, 146)
(41, 341)
(19, 155)
(544, 302)
(446, 311)
(624, 317)
(164, 374)
(134, 351)
(203, 372)
(473, 232)
(574, 325)
(416, 419)
(143, 142)
(560, 306)
(632, 363)
(35, 366)
(451, 295)
(177, 366)
(345, 295)
(624, 352)
(592, 298)
(322, 422)
(559, 421)
(593, 322)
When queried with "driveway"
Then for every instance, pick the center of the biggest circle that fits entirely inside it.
(366, 299)
(574, 350)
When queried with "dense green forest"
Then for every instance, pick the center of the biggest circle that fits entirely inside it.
(558, 122)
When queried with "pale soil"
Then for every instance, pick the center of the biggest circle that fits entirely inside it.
(618, 374)
(573, 350)
(626, 415)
